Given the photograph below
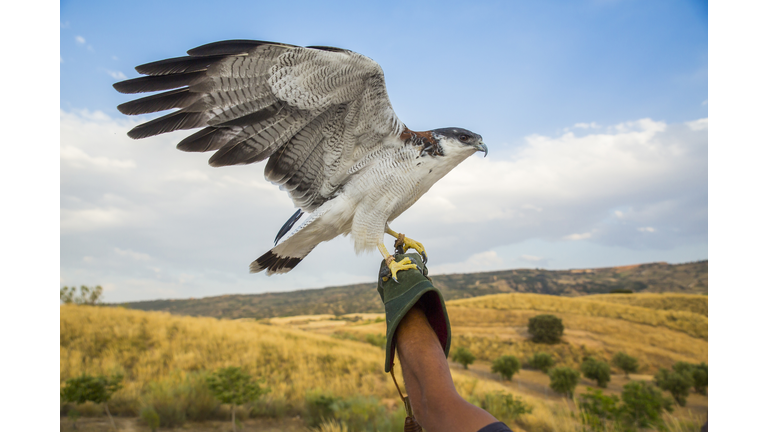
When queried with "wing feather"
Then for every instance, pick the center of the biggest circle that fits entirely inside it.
(314, 112)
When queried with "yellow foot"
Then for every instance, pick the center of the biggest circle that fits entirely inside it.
(403, 243)
(395, 266)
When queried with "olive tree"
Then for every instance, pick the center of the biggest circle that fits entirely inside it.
(563, 380)
(463, 356)
(233, 386)
(545, 328)
(625, 362)
(506, 366)
(541, 361)
(98, 389)
(597, 370)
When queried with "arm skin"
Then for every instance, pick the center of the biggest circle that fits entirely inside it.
(436, 404)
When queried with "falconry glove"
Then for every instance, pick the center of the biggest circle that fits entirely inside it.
(399, 297)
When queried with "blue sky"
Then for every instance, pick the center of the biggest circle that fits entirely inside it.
(595, 114)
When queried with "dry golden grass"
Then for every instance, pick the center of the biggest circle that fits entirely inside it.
(153, 346)
(690, 323)
(695, 303)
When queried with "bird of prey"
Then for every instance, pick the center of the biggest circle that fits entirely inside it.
(322, 119)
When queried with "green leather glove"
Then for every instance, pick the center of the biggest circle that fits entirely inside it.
(399, 297)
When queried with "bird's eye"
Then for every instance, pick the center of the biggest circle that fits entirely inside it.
(463, 138)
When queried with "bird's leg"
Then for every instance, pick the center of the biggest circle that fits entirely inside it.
(403, 243)
(395, 266)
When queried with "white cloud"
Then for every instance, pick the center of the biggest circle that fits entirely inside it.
(592, 125)
(698, 125)
(582, 236)
(117, 75)
(127, 253)
(483, 261)
(647, 229)
(77, 158)
(80, 39)
(531, 258)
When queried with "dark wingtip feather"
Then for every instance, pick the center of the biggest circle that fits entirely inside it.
(156, 83)
(327, 48)
(204, 140)
(180, 98)
(177, 65)
(169, 123)
(231, 47)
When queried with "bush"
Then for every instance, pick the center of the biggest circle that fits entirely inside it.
(596, 409)
(504, 406)
(545, 328)
(98, 389)
(677, 383)
(378, 340)
(150, 417)
(698, 374)
(643, 405)
(625, 362)
(506, 366)
(234, 386)
(358, 413)
(596, 370)
(463, 356)
(563, 380)
(541, 361)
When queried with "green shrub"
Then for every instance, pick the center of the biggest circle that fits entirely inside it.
(73, 415)
(376, 340)
(596, 370)
(625, 362)
(463, 356)
(234, 386)
(319, 405)
(359, 413)
(677, 383)
(643, 405)
(150, 417)
(504, 406)
(506, 366)
(98, 389)
(563, 380)
(697, 372)
(542, 361)
(597, 409)
(545, 329)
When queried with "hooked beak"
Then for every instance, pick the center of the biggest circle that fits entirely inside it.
(482, 147)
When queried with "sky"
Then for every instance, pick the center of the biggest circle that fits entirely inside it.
(595, 114)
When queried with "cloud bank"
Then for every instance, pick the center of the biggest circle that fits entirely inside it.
(153, 222)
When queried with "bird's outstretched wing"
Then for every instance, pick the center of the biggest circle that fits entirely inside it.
(315, 112)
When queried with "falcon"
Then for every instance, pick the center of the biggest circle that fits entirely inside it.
(322, 119)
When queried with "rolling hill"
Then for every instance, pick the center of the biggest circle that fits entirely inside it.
(338, 300)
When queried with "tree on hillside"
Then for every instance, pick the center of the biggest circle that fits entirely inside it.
(643, 405)
(541, 361)
(563, 380)
(98, 389)
(506, 366)
(233, 386)
(545, 328)
(597, 370)
(463, 356)
(625, 362)
(88, 296)
(697, 372)
(678, 384)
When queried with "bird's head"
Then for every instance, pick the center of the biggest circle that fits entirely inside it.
(460, 141)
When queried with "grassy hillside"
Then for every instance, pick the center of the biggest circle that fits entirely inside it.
(655, 277)
(164, 359)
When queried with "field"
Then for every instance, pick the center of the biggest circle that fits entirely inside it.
(164, 357)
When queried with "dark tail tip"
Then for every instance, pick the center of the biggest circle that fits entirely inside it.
(273, 263)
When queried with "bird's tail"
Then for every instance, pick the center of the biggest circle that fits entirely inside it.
(288, 254)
